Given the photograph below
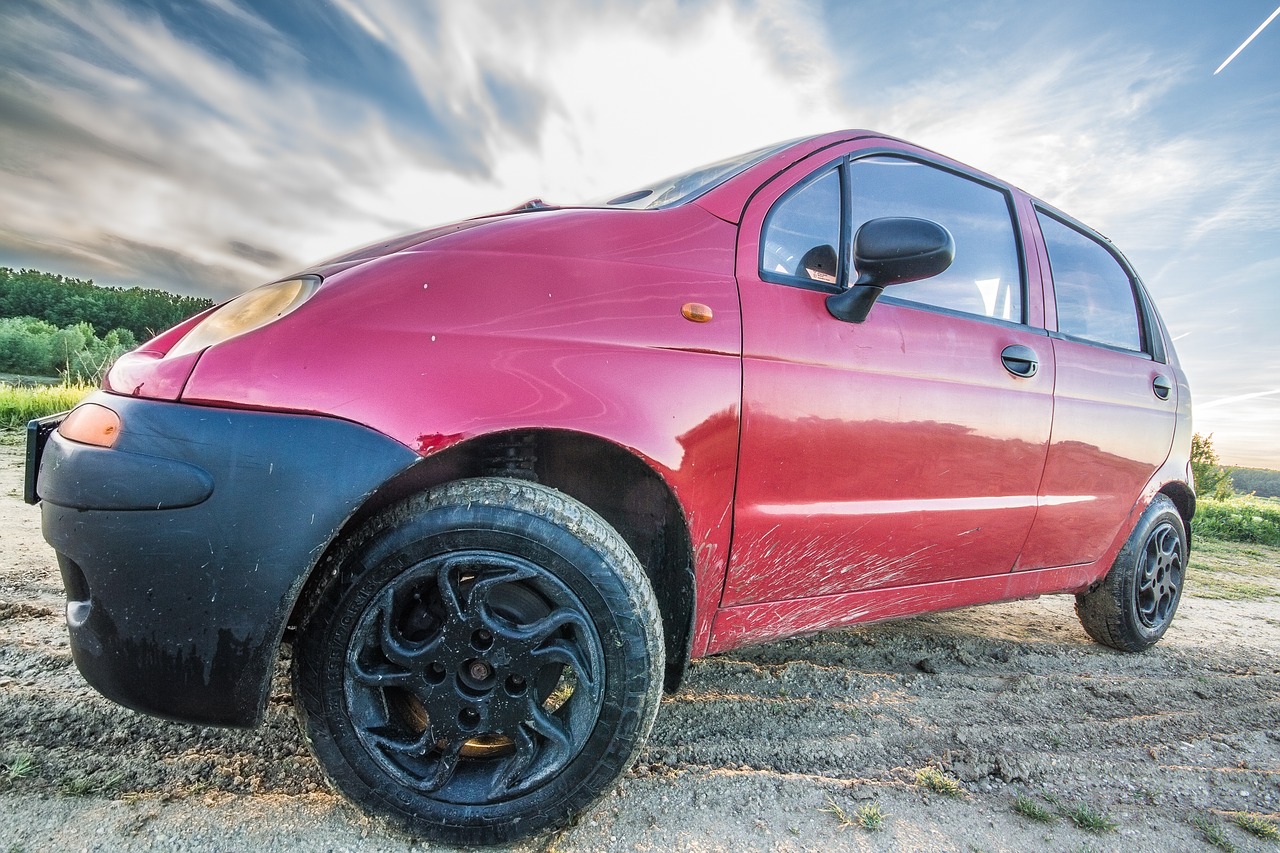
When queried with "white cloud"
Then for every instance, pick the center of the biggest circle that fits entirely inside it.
(190, 154)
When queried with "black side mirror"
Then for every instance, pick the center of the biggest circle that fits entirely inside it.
(891, 250)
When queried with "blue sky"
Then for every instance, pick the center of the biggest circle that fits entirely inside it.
(206, 146)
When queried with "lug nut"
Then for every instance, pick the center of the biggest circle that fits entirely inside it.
(480, 670)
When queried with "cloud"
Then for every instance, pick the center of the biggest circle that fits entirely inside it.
(127, 131)
(209, 146)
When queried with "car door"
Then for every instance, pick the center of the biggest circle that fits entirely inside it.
(904, 449)
(1116, 398)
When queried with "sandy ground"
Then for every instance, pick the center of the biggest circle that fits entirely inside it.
(755, 753)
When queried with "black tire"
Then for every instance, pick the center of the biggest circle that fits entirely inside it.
(1133, 606)
(483, 662)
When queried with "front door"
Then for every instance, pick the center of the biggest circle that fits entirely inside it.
(900, 450)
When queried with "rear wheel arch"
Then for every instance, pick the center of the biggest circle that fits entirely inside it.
(1185, 500)
(614, 482)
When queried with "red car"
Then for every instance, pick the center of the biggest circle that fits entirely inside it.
(499, 481)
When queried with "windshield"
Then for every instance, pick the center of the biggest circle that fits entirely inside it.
(690, 184)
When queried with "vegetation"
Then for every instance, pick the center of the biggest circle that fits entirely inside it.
(63, 302)
(1232, 571)
(1213, 832)
(1086, 818)
(93, 784)
(53, 326)
(76, 353)
(870, 817)
(1257, 825)
(938, 782)
(1029, 808)
(833, 808)
(1239, 519)
(19, 404)
(1212, 480)
(1262, 482)
(20, 767)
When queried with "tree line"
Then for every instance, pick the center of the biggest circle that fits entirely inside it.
(1262, 482)
(52, 325)
(64, 302)
(1214, 480)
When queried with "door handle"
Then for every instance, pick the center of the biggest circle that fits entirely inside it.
(1020, 361)
(1162, 387)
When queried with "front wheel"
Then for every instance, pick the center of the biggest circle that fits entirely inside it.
(1134, 605)
(484, 661)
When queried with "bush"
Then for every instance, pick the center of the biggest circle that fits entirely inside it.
(36, 348)
(1239, 519)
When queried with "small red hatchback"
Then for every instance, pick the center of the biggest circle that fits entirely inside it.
(499, 481)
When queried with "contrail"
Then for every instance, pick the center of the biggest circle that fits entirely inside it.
(1249, 39)
(1223, 401)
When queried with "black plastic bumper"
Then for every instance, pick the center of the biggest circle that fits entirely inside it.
(184, 547)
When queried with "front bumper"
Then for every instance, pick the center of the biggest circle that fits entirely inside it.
(184, 547)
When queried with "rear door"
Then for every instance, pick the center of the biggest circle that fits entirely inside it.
(900, 450)
(1116, 398)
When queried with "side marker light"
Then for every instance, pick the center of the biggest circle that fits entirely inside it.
(696, 312)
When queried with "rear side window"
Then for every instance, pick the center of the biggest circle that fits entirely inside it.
(986, 276)
(1094, 292)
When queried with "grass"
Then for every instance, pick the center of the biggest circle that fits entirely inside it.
(869, 817)
(1225, 570)
(938, 782)
(1033, 810)
(21, 403)
(1213, 833)
(832, 807)
(1256, 825)
(84, 786)
(21, 767)
(1088, 819)
(1242, 518)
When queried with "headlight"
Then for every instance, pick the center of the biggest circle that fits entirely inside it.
(247, 312)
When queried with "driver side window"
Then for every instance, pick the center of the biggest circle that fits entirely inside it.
(802, 234)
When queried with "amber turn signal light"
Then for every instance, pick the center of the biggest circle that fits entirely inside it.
(90, 423)
(697, 312)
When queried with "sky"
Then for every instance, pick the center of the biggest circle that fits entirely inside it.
(206, 146)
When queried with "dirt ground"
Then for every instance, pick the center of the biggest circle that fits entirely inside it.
(760, 750)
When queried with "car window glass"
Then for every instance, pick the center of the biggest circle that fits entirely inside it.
(689, 185)
(803, 231)
(985, 278)
(1094, 292)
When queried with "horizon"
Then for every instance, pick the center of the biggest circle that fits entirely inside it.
(206, 147)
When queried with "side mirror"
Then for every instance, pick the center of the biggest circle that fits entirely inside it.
(891, 250)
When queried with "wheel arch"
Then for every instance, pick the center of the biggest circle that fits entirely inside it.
(616, 483)
(1184, 499)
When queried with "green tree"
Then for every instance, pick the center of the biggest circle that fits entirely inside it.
(1212, 480)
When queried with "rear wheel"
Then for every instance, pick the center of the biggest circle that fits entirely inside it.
(483, 663)
(1134, 605)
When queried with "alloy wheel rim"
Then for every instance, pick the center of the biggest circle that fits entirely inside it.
(1160, 572)
(474, 677)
